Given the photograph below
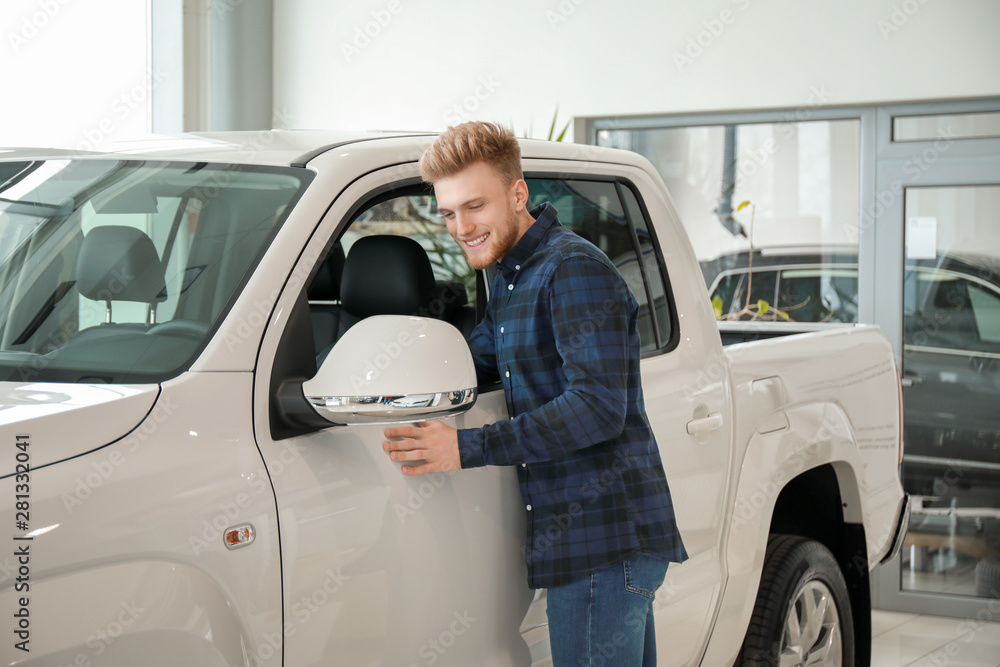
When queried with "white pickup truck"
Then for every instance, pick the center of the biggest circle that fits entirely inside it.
(201, 336)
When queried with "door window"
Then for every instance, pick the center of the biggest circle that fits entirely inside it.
(604, 212)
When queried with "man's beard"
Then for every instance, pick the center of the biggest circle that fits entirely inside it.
(503, 239)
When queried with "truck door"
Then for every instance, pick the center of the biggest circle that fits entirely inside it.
(382, 568)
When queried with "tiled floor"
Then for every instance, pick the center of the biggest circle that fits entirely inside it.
(904, 640)
(898, 640)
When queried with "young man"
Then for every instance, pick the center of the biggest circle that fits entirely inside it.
(560, 333)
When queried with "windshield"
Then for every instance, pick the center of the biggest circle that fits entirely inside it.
(118, 270)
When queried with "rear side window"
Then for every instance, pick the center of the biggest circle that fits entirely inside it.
(609, 215)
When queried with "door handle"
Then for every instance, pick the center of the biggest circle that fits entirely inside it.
(704, 424)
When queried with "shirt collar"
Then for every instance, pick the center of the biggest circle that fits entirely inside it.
(545, 216)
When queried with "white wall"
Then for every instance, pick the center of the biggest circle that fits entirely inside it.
(515, 61)
(73, 72)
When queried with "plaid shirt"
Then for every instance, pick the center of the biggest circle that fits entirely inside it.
(560, 333)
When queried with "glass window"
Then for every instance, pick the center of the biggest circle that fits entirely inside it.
(947, 311)
(818, 293)
(117, 270)
(951, 361)
(986, 308)
(417, 217)
(951, 292)
(951, 126)
(409, 212)
(801, 184)
(592, 209)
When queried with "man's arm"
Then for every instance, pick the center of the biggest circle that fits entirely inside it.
(590, 307)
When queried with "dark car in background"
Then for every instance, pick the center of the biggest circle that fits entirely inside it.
(951, 346)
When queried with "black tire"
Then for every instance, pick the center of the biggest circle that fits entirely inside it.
(988, 577)
(798, 572)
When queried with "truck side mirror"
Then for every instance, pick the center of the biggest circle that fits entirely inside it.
(394, 368)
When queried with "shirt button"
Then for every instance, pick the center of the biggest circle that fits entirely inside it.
(511, 286)
(529, 508)
(517, 268)
(501, 329)
(507, 373)
(524, 465)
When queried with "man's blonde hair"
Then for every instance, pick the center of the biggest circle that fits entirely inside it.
(475, 141)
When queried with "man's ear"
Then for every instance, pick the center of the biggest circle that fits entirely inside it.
(520, 191)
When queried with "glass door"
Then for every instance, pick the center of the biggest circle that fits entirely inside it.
(938, 296)
(951, 368)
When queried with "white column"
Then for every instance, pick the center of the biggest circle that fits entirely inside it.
(211, 63)
(241, 41)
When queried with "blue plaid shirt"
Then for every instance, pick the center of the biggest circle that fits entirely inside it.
(560, 333)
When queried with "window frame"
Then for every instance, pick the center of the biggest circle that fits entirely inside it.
(668, 343)
(415, 185)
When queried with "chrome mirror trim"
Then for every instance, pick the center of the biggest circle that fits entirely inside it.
(392, 409)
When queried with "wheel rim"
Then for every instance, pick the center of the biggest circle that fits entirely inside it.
(811, 635)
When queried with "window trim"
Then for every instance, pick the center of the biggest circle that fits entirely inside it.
(674, 339)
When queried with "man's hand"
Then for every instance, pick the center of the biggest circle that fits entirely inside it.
(432, 441)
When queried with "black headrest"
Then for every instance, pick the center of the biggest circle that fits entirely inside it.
(386, 275)
(326, 285)
(118, 263)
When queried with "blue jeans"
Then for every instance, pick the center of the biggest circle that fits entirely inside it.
(606, 619)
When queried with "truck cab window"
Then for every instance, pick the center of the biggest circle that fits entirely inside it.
(443, 283)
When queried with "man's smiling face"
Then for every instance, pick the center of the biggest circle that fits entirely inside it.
(480, 212)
